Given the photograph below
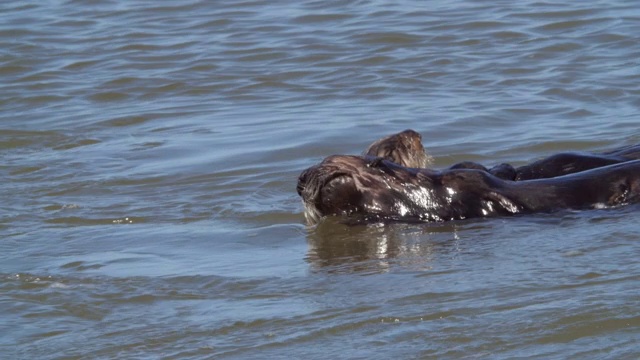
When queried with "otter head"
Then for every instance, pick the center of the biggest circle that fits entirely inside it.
(404, 148)
(369, 186)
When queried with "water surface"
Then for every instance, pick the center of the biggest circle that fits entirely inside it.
(150, 152)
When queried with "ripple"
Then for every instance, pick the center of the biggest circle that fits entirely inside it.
(127, 121)
(82, 221)
(321, 18)
(142, 141)
(108, 96)
(384, 38)
(572, 24)
(13, 139)
(13, 69)
(557, 14)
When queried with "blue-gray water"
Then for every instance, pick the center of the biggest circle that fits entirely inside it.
(149, 153)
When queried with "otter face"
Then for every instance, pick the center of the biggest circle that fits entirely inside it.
(329, 188)
(354, 185)
(326, 193)
(404, 148)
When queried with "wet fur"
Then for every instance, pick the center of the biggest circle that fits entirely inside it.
(391, 181)
(558, 164)
(377, 188)
(404, 148)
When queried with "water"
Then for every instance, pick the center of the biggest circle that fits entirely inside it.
(150, 153)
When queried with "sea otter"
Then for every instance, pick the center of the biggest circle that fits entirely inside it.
(555, 165)
(558, 164)
(405, 148)
(376, 189)
(573, 162)
(390, 181)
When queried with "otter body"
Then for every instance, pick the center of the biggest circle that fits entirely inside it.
(405, 148)
(390, 181)
(569, 163)
(557, 165)
(378, 188)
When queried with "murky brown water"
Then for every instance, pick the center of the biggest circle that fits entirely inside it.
(150, 153)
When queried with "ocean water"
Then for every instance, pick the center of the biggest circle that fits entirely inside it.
(150, 150)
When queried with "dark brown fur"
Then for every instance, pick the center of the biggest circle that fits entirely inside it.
(569, 163)
(558, 164)
(391, 181)
(380, 189)
(404, 148)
